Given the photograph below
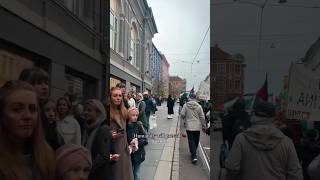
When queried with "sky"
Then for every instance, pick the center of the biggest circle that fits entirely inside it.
(182, 25)
(288, 30)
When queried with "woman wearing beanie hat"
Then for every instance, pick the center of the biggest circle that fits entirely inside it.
(73, 162)
(97, 139)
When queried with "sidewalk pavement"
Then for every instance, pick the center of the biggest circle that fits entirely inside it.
(168, 158)
(160, 163)
(217, 141)
(187, 170)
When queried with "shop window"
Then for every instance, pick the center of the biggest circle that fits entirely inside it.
(11, 66)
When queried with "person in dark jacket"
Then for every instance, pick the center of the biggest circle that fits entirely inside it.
(183, 99)
(235, 122)
(149, 108)
(97, 139)
(141, 105)
(308, 149)
(170, 105)
(54, 139)
(136, 132)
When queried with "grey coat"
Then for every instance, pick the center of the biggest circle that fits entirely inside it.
(193, 115)
(263, 152)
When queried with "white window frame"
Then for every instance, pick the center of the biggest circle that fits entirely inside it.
(113, 30)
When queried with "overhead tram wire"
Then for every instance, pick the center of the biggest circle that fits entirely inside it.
(201, 44)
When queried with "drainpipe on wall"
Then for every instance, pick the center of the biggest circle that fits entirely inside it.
(104, 48)
(143, 53)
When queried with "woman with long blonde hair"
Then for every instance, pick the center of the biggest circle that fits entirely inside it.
(24, 153)
(122, 169)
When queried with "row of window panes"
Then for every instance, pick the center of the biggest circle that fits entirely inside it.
(222, 68)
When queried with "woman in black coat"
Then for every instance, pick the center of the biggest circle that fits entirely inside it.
(170, 105)
(97, 139)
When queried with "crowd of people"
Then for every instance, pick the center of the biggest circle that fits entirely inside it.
(44, 139)
(257, 146)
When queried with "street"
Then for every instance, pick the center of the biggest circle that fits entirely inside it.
(169, 158)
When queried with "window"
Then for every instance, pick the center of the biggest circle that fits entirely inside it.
(221, 68)
(113, 30)
(237, 84)
(81, 8)
(134, 44)
(11, 66)
(237, 69)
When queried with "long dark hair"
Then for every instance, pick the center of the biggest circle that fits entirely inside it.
(42, 155)
(34, 75)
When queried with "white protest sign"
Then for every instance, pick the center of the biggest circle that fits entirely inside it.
(304, 94)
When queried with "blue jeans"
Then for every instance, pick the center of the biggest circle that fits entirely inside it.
(136, 172)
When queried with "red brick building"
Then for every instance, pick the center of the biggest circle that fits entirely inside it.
(228, 75)
(177, 85)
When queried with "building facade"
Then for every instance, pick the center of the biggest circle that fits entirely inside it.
(228, 75)
(64, 37)
(156, 70)
(164, 83)
(132, 28)
(177, 85)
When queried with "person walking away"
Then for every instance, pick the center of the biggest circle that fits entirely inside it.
(236, 121)
(183, 99)
(68, 127)
(122, 86)
(308, 149)
(24, 154)
(170, 105)
(149, 108)
(141, 105)
(136, 133)
(194, 119)
(264, 147)
(53, 138)
(122, 169)
(97, 139)
(73, 162)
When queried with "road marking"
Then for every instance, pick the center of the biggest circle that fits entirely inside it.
(203, 154)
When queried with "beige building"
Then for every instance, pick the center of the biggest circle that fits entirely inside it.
(177, 85)
(164, 92)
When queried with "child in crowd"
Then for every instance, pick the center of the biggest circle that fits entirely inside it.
(54, 139)
(137, 140)
(73, 162)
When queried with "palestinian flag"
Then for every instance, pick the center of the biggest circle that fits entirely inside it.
(262, 93)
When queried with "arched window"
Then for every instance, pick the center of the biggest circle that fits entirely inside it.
(116, 25)
(148, 56)
(133, 44)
